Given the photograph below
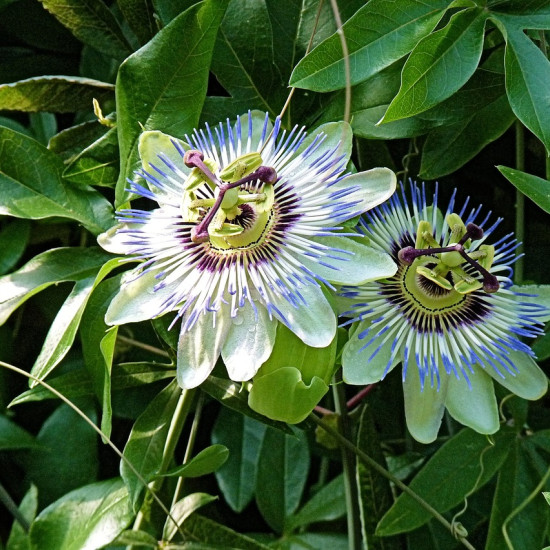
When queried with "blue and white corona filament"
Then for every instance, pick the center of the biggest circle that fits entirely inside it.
(448, 315)
(247, 233)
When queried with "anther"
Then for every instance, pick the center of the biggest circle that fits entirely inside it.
(473, 231)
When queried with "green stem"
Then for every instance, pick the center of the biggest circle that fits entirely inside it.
(174, 432)
(520, 202)
(190, 445)
(8, 502)
(345, 55)
(348, 462)
(90, 423)
(371, 463)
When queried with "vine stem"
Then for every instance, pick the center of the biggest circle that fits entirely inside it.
(190, 445)
(7, 501)
(345, 55)
(348, 462)
(174, 432)
(90, 423)
(520, 202)
(371, 463)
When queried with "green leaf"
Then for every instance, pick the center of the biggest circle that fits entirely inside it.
(537, 189)
(230, 394)
(328, 504)
(14, 237)
(63, 329)
(205, 530)
(145, 445)
(68, 455)
(31, 186)
(14, 437)
(527, 81)
(97, 164)
(157, 82)
(98, 346)
(282, 472)
(379, 34)
(446, 479)
(206, 462)
(91, 22)
(294, 378)
(89, 517)
(136, 538)
(449, 147)
(19, 539)
(243, 437)
(182, 510)
(70, 142)
(518, 517)
(375, 494)
(54, 94)
(439, 65)
(54, 266)
(77, 383)
(140, 16)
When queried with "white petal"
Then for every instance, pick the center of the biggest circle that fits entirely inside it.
(373, 188)
(476, 407)
(314, 321)
(529, 383)
(249, 342)
(115, 240)
(423, 408)
(200, 347)
(137, 300)
(360, 265)
(359, 365)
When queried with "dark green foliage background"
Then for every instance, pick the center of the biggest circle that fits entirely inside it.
(461, 88)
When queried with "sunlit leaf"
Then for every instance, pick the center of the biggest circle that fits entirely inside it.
(537, 189)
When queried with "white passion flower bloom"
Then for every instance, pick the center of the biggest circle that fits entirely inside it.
(245, 231)
(447, 315)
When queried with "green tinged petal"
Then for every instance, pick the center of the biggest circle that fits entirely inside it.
(249, 342)
(137, 301)
(529, 383)
(359, 365)
(314, 321)
(114, 240)
(200, 347)
(423, 408)
(476, 407)
(337, 134)
(363, 265)
(375, 186)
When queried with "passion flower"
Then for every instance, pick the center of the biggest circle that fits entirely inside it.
(447, 315)
(248, 232)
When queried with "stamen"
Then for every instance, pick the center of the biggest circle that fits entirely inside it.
(266, 174)
(408, 254)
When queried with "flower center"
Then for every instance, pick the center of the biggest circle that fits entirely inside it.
(444, 266)
(234, 210)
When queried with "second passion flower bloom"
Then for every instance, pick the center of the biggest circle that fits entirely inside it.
(245, 231)
(448, 315)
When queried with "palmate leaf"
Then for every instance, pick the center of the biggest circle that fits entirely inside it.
(256, 72)
(31, 186)
(439, 65)
(379, 34)
(54, 94)
(168, 76)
